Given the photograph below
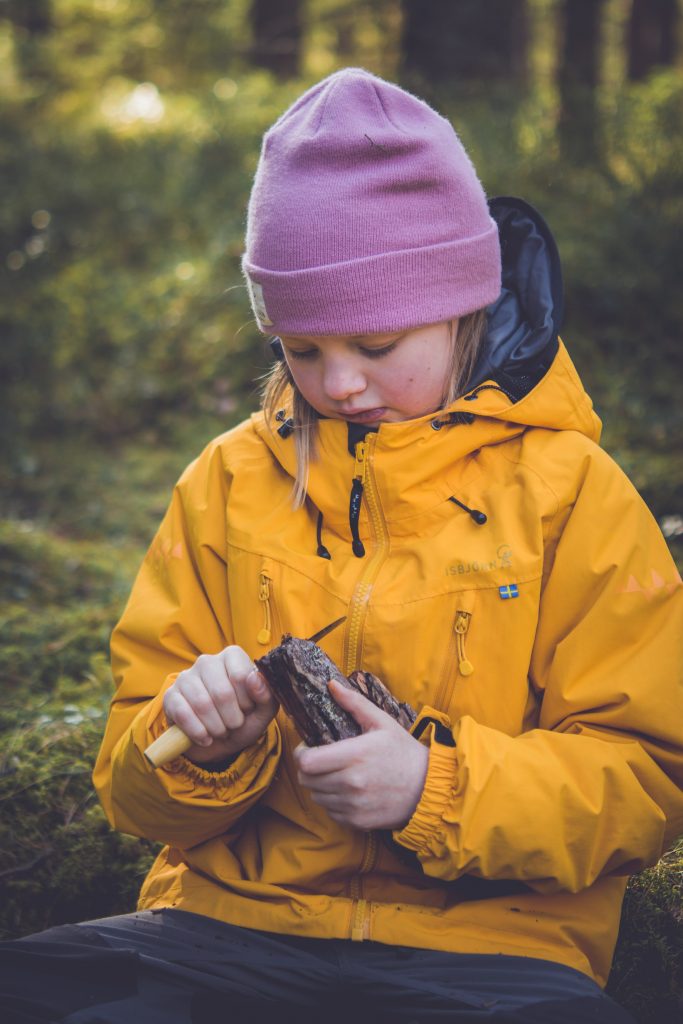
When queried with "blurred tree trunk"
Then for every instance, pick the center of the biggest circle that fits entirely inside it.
(35, 16)
(446, 41)
(32, 22)
(578, 79)
(652, 36)
(277, 31)
(346, 35)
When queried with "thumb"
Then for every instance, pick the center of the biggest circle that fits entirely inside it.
(367, 714)
(259, 691)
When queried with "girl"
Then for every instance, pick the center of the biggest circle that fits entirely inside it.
(426, 465)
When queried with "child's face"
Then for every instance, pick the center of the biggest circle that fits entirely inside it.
(373, 378)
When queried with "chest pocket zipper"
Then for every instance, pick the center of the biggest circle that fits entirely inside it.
(265, 583)
(461, 625)
(456, 663)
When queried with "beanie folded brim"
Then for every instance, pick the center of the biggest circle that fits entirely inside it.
(378, 294)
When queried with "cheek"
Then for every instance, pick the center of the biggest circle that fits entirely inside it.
(303, 377)
(422, 374)
(425, 385)
(304, 380)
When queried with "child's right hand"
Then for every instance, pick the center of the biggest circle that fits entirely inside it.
(222, 704)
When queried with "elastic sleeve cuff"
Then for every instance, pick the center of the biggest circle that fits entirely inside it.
(424, 831)
(244, 764)
(237, 767)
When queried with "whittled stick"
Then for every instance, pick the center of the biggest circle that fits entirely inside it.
(298, 671)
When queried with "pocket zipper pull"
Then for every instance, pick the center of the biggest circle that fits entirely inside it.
(462, 624)
(264, 634)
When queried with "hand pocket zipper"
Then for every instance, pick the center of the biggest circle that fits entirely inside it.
(265, 634)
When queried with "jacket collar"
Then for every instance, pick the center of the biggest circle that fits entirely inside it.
(420, 463)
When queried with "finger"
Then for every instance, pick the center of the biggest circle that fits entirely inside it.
(249, 684)
(225, 699)
(340, 817)
(367, 714)
(332, 757)
(238, 664)
(180, 713)
(332, 803)
(258, 689)
(330, 783)
(200, 700)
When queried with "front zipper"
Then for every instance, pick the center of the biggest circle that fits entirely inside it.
(461, 625)
(364, 488)
(364, 480)
(360, 913)
(359, 921)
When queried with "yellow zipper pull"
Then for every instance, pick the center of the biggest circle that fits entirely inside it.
(462, 624)
(264, 634)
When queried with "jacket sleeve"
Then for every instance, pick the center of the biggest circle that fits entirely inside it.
(595, 789)
(178, 609)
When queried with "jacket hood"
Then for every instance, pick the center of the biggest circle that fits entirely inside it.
(523, 378)
(525, 320)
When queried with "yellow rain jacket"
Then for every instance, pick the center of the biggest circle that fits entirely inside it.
(541, 648)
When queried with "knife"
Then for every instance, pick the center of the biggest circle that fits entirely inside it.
(173, 742)
(326, 629)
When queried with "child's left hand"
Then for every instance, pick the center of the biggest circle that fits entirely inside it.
(371, 781)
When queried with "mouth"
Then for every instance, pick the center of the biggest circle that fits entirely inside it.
(364, 415)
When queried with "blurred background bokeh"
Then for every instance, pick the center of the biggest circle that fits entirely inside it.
(129, 135)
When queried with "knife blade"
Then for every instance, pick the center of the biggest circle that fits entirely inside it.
(327, 629)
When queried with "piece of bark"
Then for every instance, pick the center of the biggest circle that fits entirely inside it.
(298, 672)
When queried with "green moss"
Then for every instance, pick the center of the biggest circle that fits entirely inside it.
(648, 963)
(60, 860)
(59, 599)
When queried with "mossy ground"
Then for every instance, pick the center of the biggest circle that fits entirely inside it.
(71, 540)
(647, 975)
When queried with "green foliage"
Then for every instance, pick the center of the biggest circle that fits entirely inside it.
(619, 228)
(129, 289)
(627, 331)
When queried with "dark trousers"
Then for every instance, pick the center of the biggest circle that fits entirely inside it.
(171, 967)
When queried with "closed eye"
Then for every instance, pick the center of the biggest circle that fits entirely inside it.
(377, 353)
(305, 354)
(371, 353)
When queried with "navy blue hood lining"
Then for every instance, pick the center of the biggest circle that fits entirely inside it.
(524, 322)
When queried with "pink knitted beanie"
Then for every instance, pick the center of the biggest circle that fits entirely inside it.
(366, 216)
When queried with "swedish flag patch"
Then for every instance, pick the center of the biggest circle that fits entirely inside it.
(508, 591)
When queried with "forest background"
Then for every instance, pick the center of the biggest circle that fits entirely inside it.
(129, 135)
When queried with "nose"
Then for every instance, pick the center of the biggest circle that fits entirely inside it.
(342, 378)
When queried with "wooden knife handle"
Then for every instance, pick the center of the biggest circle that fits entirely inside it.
(167, 747)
